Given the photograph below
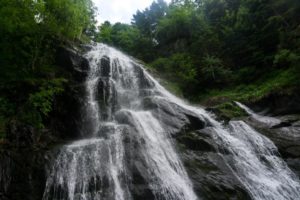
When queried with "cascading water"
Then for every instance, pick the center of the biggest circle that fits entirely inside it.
(96, 168)
(128, 144)
(270, 121)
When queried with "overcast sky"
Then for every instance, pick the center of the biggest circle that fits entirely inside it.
(120, 10)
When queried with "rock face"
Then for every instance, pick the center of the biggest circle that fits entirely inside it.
(22, 174)
(23, 162)
(279, 104)
(67, 115)
(211, 177)
(73, 62)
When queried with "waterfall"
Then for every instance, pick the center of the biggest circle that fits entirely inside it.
(128, 143)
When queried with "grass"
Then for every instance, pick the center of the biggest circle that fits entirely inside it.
(281, 82)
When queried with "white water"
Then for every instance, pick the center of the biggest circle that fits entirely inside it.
(254, 160)
(291, 132)
(100, 167)
(162, 160)
(270, 121)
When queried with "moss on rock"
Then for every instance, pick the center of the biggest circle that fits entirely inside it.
(227, 111)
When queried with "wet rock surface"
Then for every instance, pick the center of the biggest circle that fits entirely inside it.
(177, 119)
(22, 174)
(278, 104)
(211, 177)
(73, 61)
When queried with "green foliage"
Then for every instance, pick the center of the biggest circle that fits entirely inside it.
(229, 110)
(213, 69)
(247, 47)
(284, 81)
(148, 20)
(43, 99)
(177, 24)
(30, 33)
(285, 58)
(126, 37)
(179, 68)
(105, 33)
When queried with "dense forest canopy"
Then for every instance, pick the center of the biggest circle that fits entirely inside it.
(209, 46)
(238, 49)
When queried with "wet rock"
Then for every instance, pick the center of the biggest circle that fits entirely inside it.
(294, 164)
(140, 188)
(283, 137)
(296, 124)
(73, 61)
(86, 47)
(286, 137)
(278, 104)
(144, 82)
(105, 66)
(67, 116)
(211, 177)
(137, 168)
(176, 119)
(23, 174)
(125, 117)
(21, 135)
(197, 141)
(106, 97)
(282, 124)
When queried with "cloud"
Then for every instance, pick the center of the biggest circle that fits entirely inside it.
(119, 10)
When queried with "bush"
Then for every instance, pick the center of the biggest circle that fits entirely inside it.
(214, 71)
(40, 103)
(285, 58)
(179, 67)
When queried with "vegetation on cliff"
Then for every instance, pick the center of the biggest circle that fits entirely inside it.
(30, 33)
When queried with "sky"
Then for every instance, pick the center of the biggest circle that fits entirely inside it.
(119, 10)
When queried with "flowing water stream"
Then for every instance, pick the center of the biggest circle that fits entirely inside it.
(126, 137)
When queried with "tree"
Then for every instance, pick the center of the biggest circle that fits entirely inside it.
(147, 20)
(30, 33)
